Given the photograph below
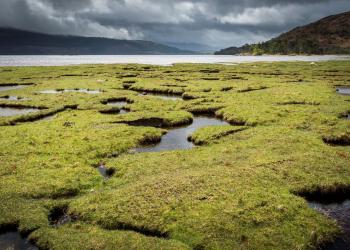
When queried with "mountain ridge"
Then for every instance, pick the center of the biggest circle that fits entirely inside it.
(329, 35)
(21, 42)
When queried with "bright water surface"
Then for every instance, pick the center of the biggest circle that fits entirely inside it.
(39, 60)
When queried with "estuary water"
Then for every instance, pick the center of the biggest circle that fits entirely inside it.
(165, 60)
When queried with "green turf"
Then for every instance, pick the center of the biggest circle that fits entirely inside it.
(236, 190)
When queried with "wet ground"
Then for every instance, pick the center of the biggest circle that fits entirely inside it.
(341, 213)
(8, 87)
(14, 241)
(177, 138)
(9, 111)
(60, 91)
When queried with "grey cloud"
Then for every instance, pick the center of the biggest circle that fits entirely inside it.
(218, 23)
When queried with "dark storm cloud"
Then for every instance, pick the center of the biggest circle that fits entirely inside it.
(218, 23)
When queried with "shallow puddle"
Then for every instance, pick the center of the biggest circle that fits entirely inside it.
(341, 213)
(123, 111)
(105, 171)
(11, 98)
(343, 90)
(177, 138)
(14, 241)
(119, 104)
(9, 111)
(163, 96)
(10, 87)
(55, 91)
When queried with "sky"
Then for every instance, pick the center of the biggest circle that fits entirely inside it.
(216, 23)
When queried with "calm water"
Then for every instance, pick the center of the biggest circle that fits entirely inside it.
(177, 138)
(7, 111)
(163, 96)
(343, 90)
(6, 88)
(118, 104)
(152, 59)
(10, 98)
(341, 213)
(14, 241)
(53, 91)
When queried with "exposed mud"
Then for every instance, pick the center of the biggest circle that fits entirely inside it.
(339, 140)
(59, 216)
(249, 89)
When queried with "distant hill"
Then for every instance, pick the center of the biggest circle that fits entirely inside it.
(19, 42)
(330, 35)
(196, 47)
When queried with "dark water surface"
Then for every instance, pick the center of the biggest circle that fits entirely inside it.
(341, 213)
(177, 138)
(14, 241)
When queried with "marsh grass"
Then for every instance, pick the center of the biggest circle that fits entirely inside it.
(242, 189)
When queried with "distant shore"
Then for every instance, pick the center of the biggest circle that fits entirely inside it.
(164, 60)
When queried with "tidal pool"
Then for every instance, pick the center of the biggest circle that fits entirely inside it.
(11, 98)
(162, 96)
(177, 138)
(10, 111)
(11, 87)
(341, 213)
(14, 241)
(343, 90)
(119, 104)
(60, 91)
